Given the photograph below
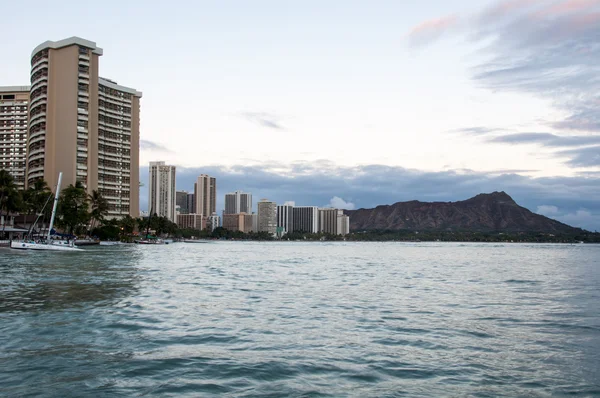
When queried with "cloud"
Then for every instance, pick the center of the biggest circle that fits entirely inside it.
(582, 217)
(480, 130)
(431, 30)
(146, 145)
(263, 119)
(339, 203)
(546, 139)
(547, 48)
(371, 185)
(547, 210)
(582, 157)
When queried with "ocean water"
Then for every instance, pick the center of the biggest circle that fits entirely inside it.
(302, 319)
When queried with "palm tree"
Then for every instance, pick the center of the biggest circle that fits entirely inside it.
(99, 208)
(73, 208)
(10, 199)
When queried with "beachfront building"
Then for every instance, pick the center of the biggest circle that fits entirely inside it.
(82, 125)
(162, 190)
(14, 106)
(305, 219)
(285, 217)
(267, 216)
(205, 195)
(238, 202)
(181, 202)
(191, 221)
(333, 221)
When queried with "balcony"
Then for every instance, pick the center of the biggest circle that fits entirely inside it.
(36, 170)
(36, 156)
(38, 62)
(39, 66)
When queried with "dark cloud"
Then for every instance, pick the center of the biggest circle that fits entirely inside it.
(372, 185)
(146, 145)
(263, 119)
(582, 157)
(546, 139)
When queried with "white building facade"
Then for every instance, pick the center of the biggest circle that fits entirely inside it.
(162, 191)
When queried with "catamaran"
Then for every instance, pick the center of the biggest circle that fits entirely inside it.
(48, 244)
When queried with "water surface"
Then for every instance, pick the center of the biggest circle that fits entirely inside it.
(302, 319)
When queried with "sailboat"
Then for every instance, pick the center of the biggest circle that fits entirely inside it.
(48, 244)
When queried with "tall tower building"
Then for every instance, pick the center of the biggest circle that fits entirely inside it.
(305, 219)
(205, 195)
(285, 217)
(181, 200)
(162, 191)
(14, 105)
(267, 216)
(238, 202)
(83, 125)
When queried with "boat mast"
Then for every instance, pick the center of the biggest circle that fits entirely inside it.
(55, 205)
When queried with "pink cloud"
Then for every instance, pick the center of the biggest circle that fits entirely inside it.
(431, 30)
(570, 6)
(508, 6)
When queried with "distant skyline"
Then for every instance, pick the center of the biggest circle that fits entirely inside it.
(469, 96)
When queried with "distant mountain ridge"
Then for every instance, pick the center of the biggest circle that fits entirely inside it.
(495, 211)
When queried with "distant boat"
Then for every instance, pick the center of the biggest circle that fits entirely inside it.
(195, 241)
(48, 244)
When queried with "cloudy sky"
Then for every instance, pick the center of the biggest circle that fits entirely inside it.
(353, 103)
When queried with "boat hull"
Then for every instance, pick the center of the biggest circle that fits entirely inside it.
(44, 246)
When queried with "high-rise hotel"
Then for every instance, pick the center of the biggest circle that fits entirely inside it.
(14, 105)
(78, 123)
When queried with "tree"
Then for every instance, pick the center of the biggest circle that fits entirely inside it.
(10, 199)
(73, 208)
(99, 208)
(36, 196)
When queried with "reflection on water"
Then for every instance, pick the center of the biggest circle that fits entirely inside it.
(31, 281)
(302, 319)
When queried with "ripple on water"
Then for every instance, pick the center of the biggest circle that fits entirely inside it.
(298, 319)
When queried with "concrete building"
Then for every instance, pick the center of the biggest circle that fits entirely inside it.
(193, 221)
(82, 125)
(343, 224)
(328, 220)
(162, 190)
(205, 195)
(235, 222)
(213, 221)
(254, 219)
(285, 217)
(305, 219)
(267, 216)
(181, 202)
(238, 202)
(333, 221)
(14, 106)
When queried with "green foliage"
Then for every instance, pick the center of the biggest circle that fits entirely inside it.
(36, 196)
(99, 208)
(10, 198)
(73, 208)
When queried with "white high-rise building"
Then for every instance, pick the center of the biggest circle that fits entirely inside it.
(205, 195)
(333, 221)
(267, 216)
(238, 202)
(285, 217)
(162, 191)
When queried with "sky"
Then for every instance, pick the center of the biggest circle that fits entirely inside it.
(352, 103)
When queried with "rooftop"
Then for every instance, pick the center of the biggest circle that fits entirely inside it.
(66, 43)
